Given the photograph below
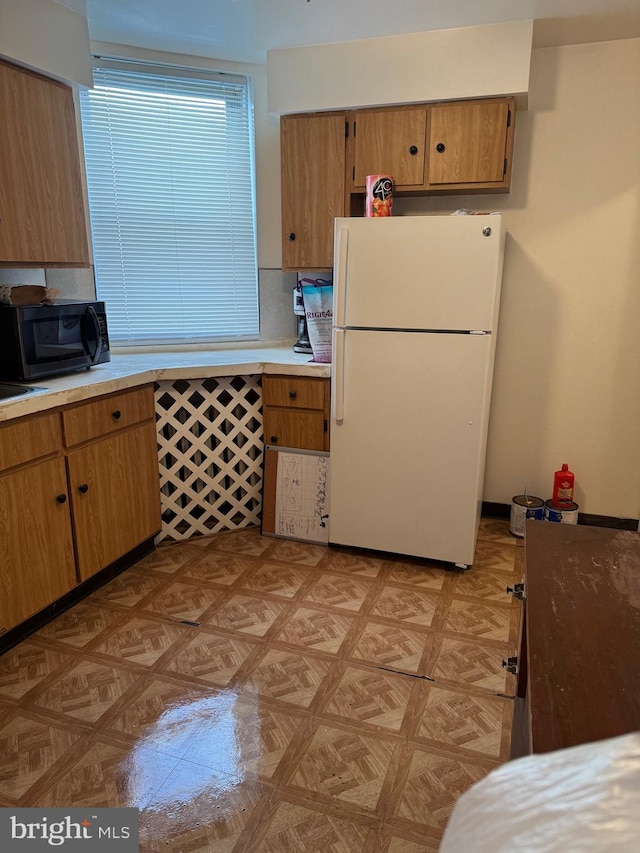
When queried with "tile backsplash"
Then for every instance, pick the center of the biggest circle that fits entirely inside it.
(72, 283)
(277, 320)
(22, 276)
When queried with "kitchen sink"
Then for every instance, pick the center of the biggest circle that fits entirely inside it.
(9, 390)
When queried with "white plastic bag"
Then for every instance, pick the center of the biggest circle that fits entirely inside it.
(585, 799)
(318, 309)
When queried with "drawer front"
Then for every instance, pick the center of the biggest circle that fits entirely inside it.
(293, 391)
(24, 440)
(107, 415)
(288, 428)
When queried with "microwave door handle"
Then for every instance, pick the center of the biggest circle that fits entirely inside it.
(96, 327)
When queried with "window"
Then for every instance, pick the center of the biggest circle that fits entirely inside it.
(170, 173)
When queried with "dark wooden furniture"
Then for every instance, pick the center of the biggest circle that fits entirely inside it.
(579, 673)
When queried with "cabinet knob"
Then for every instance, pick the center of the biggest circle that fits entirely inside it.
(116, 415)
(293, 394)
(292, 236)
(274, 439)
(413, 149)
(84, 488)
(61, 499)
(440, 147)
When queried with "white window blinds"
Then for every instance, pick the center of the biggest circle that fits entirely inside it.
(170, 173)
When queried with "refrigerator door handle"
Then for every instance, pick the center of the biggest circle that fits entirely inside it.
(337, 384)
(341, 277)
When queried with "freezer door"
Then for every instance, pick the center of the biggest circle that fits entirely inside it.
(418, 272)
(407, 455)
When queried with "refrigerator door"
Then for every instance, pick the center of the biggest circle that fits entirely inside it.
(418, 272)
(407, 457)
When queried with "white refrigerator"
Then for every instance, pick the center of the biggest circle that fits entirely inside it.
(415, 313)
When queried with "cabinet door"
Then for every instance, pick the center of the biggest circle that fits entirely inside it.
(115, 496)
(313, 190)
(41, 203)
(390, 142)
(36, 549)
(468, 142)
(294, 428)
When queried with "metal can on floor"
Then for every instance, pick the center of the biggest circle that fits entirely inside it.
(522, 508)
(565, 515)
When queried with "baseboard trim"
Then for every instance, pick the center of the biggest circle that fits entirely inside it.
(33, 623)
(498, 510)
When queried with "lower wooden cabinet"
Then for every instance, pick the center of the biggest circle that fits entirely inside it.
(71, 506)
(296, 412)
(115, 495)
(296, 416)
(36, 545)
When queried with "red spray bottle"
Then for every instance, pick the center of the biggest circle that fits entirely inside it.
(563, 487)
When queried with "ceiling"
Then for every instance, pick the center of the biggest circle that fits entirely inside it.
(243, 30)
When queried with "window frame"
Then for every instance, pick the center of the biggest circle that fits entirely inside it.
(162, 69)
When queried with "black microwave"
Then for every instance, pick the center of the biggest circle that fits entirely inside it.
(45, 340)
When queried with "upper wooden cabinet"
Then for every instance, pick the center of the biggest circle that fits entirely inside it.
(470, 145)
(428, 149)
(42, 219)
(389, 142)
(313, 187)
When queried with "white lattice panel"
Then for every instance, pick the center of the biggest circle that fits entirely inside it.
(210, 446)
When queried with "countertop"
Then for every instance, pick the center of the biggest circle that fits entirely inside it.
(129, 370)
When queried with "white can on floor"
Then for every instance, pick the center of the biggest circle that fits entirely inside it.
(564, 515)
(522, 508)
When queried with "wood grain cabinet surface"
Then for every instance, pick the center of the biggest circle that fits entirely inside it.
(115, 496)
(471, 145)
(42, 216)
(79, 489)
(428, 149)
(389, 142)
(106, 415)
(36, 546)
(312, 149)
(113, 478)
(296, 412)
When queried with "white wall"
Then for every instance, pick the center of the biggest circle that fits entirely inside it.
(568, 353)
(46, 36)
(566, 383)
(468, 62)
